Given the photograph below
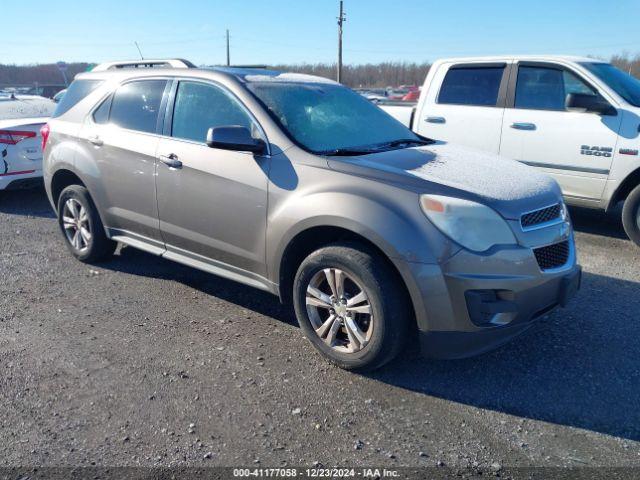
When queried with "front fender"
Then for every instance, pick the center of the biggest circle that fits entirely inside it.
(398, 228)
(405, 237)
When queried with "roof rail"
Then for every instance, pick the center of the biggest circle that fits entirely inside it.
(159, 63)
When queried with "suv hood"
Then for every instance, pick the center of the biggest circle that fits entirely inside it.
(508, 186)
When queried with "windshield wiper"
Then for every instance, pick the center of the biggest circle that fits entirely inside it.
(380, 147)
(347, 152)
(404, 141)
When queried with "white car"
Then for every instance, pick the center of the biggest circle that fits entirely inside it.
(573, 118)
(21, 117)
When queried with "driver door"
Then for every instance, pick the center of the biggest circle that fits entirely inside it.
(211, 202)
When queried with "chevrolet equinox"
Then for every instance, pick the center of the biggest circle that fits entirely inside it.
(297, 185)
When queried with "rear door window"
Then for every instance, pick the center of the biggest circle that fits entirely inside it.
(136, 105)
(546, 88)
(78, 90)
(477, 86)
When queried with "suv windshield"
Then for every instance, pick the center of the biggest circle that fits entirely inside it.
(331, 119)
(624, 84)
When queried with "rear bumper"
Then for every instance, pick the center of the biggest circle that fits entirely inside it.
(475, 303)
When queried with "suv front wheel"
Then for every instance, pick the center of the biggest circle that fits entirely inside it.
(81, 226)
(351, 306)
(631, 215)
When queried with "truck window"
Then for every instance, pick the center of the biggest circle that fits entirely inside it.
(546, 88)
(471, 86)
(199, 107)
(135, 105)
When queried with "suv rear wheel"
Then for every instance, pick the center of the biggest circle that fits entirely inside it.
(631, 215)
(351, 306)
(81, 226)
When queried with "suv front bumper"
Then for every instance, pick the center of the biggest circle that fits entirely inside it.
(474, 303)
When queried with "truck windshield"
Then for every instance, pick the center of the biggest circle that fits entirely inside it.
(331, 119)
(625, 85)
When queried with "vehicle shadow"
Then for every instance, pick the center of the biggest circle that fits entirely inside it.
(31, 202)
(136, 262)
(598, 222)
(580, 367)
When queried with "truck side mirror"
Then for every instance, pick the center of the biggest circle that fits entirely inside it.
(589, 103)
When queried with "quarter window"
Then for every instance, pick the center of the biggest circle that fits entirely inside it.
(136, 105)
(200, 106)
(544, 88)
(101, 114)
(471, 86)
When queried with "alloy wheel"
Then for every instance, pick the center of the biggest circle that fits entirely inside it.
(339, 310)
(75, 221)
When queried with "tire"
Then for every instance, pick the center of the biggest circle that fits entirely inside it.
(631, 215)
(89, 244)
(380, 334)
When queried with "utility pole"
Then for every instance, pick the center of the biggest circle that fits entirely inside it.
(341, 19)
(228, 54)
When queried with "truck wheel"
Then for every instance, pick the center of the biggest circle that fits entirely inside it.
(81, 226)
(631, 215)
(350, 304)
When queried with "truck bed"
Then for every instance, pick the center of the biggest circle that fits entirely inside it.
(401, 111)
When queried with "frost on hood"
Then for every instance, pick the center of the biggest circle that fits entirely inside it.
(289, 77)
(486, 175)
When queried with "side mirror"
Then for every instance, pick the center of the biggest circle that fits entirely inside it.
(589, 103)
(235, 138)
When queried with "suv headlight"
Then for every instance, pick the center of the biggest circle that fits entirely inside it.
(470, 224)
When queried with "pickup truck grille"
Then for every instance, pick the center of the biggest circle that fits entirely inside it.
(552, 256)
(538, 217)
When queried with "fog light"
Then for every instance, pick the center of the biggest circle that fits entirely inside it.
(490, 307)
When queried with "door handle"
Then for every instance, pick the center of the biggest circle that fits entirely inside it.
(523, 126)
(170, 160)
(435, 120)
(96, 140)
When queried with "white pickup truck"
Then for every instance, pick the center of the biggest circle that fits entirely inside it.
(577, 119)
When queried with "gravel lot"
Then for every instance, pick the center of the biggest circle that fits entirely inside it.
(140, 361)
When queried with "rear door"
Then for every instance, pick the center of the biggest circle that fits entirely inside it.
(576, 148)
(123, 137)
(213, 203)
(467, 109)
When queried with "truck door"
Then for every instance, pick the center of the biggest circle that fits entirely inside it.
(576, 148)
(467, 109)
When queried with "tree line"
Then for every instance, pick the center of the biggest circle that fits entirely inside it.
(43, 74)
(364, 75)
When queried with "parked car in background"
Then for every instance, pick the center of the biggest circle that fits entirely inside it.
(373, 94)
(575, 119)
(21, 117)
(299, 186)
(412, 96)
(47, 91)
(397, 93)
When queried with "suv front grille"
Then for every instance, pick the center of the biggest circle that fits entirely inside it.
(552, 256)
(541, 216)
